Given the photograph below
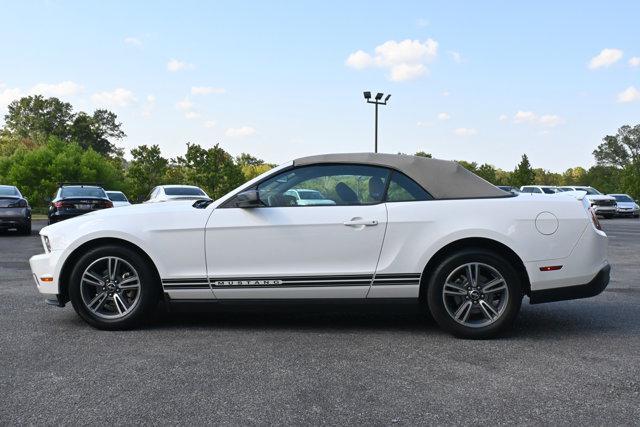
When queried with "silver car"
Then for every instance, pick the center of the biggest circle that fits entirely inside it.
(626, 206)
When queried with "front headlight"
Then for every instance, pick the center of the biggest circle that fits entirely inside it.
(46, 243)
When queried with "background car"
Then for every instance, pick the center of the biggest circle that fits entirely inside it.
(539, 189)
(509, 188)
(304, 197)
(118, 198)
(15, 211)
(626, 206)
(164, 193)
(72, 200)
(600, 203)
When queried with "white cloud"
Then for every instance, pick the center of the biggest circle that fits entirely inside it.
(465, 131)
(503, 117)
(455, 56)
(359, 60)
(546, 120)
(444, 116)
(67, 88)
(550, 120)
(630, 94)
(8, 95)
(446, 93)
(206, 90)
(190, 115)
(175, 65)
(117, 98)
(133, 41)
(524, 117)
(634, 62)
(405, 60)
(404, 72)
(605, 58)
(184, 105)
(210, 124)
(424, 124)
(240, 132)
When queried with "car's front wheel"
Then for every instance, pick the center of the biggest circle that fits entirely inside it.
(113, 287)
(474, 293)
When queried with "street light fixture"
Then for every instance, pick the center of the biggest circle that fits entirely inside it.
(377, 101)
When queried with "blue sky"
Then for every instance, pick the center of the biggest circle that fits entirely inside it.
(477, 81)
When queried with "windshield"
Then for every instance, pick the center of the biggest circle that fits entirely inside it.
(83, 192)
(623, 198)
(183, 191)
(116, 196)
(590, 191)
(310, 195)
(6, 190)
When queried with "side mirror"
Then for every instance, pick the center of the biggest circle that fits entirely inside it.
(248, 199)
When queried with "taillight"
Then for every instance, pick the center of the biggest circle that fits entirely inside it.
(22, 203)
(61, 204)
(594, 219)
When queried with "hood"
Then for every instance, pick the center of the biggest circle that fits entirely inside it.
(120, 218)
(599, 197)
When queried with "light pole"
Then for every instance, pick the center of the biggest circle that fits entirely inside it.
(377, 101)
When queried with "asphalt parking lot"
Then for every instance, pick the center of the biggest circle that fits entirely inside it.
(564, 363)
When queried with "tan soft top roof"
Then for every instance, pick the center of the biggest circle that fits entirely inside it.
(442, 178)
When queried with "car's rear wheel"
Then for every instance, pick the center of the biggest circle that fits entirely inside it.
(474, 293)
(113, 287)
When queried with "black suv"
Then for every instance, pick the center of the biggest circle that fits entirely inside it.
(73, 199)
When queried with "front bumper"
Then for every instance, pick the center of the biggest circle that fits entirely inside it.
(627, 212)
(44, 266)
(604, 210)
(591, 289)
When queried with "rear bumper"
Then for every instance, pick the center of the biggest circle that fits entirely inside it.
(591, 289)
(14, 217)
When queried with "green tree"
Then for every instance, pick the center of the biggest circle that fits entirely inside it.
(487, 172)
(38, 171)
(37, 118)
(423, 154)
(33, 119)
(245, 159)
(523, 173)
(146, 170)
(620, 150)
(95, 131)
(574, 176)
(213, 169)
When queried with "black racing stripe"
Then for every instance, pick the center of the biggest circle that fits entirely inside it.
(395, 283)
(296, 278)
(186, 280)
(186, 286)
(399, 275)
(296, 285)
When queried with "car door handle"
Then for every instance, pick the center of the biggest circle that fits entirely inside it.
(356, 222)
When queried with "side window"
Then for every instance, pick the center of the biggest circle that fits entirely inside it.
(536, 190)
(526, 190)
(404, 189)
(325, 185)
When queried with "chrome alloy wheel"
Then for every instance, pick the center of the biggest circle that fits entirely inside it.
(475, 295)
(110, 287)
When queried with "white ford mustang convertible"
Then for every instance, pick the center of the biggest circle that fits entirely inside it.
(401, 227)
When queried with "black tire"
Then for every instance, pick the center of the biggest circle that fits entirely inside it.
(449, 265)
(25, 229)
(148, 291)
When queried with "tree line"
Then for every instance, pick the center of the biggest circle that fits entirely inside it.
(44, 142)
